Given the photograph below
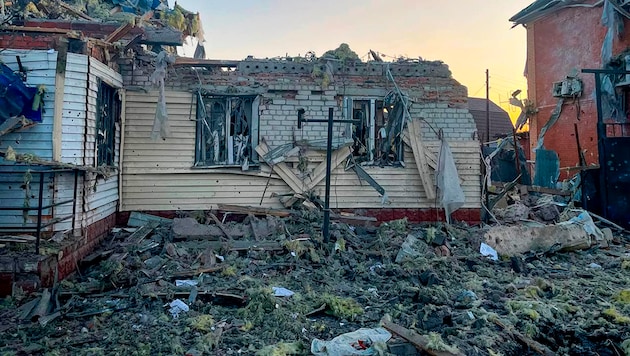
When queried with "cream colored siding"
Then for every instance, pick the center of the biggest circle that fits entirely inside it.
(158, 175)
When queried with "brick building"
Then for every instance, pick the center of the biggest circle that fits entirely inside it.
(216, 132)
(563, 38)
(196, 166)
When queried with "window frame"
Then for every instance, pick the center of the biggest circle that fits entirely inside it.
(202, 124)
(108, 113)
(373, 104)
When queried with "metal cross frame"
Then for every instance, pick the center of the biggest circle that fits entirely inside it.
(331, 122)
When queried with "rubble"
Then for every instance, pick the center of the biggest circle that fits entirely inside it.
(281, 291)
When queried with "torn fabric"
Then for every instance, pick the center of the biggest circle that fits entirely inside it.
(555, 114)
(141, 6)
(451, 193)
(161, 128)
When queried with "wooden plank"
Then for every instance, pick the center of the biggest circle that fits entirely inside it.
(119, 33)
(282, 170)
(36, 29)
(13, 124)
(137, 219)
(193, 62)
(431, 157)
(420, 157)
(319, 173)
(419, 341)
(254, 210)
(60, 80)
(76, 12)
(530, 343)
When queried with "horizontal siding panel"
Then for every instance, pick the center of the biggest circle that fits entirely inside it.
(106, 74)
(157, 175)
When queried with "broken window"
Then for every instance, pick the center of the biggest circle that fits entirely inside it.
(227, 131)
(370, 134)
(108, 107)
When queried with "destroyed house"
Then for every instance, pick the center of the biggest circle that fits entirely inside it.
(578, 115)
(60, 133)
(238, 132)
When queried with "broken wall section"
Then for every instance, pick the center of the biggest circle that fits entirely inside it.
(164, 175)
(286, 86)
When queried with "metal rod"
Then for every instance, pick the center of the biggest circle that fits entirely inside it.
(601, 147)
(40, 200)
(517, 158)
(326, 227)
(74, 199)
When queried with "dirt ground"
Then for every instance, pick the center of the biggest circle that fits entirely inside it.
(428, 278)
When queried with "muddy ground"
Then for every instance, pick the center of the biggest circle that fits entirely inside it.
(571, 303)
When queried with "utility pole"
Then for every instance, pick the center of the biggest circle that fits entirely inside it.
(487, 105)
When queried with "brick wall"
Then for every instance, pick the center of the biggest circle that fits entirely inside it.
(25, 40)
(285, 87)
(30, 271)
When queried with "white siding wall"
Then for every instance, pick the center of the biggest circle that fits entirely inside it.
(101, 195)
(72, 137)
(97, 198)
(157, 175)
(40, 70)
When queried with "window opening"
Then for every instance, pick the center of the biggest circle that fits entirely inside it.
(108, 108)
(226, 131)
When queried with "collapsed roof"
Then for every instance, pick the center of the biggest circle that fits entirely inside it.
(541, 8)
(156, 13)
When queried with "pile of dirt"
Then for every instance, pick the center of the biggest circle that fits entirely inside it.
(271, 286)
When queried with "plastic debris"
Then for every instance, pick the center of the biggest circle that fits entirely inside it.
(488, 251)
(186, 283)
(282, 292)
(178, 307)
(362, 342)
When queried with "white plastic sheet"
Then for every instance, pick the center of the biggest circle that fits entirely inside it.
(451, 193)
(350, 344)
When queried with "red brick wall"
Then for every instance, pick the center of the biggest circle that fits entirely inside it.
(568, 40)
(75, 252)
(28, 40)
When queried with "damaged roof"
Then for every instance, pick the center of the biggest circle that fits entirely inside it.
(541, 8)
(153, 13)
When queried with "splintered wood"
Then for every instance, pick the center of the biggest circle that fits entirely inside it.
(296, 184)
(419, 154)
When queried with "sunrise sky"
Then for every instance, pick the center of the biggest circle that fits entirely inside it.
(468, 35)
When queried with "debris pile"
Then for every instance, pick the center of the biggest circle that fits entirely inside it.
(217, 284)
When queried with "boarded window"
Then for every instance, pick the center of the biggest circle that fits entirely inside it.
(108, 106)
(227, 131)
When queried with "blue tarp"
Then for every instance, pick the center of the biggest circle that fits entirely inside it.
(15, 97)
(141, 6)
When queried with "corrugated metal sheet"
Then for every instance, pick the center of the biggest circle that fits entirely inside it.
(157, 175)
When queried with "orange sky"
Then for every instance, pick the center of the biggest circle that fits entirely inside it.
(468, 35)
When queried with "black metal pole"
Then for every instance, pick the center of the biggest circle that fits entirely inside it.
(40, 203)
(601, 147)
(326, 227)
